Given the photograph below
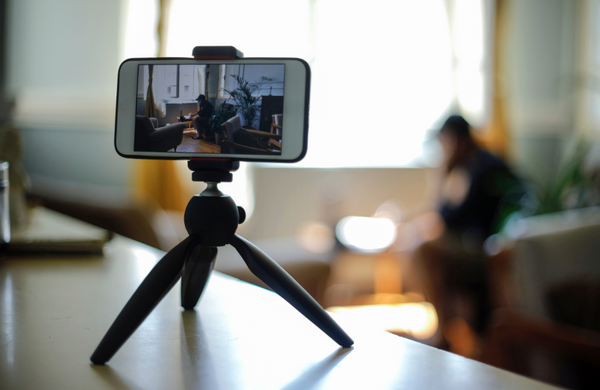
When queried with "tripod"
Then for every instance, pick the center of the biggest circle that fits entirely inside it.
(211, 219)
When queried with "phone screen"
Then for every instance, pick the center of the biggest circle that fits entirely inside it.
(210, 108)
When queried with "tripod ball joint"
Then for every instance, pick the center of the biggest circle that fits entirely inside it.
(242, 214)
(212, 219)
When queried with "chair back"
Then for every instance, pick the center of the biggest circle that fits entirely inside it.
(554, 249)
(143, 127)
(231, 126)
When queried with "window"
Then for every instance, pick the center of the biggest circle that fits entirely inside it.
(471, 31)
(384, 73)
(589, 65)
(382, 77)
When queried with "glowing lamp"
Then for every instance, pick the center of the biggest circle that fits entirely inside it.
(365, 234)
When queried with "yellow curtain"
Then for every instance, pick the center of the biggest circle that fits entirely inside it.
(495, 136)
(158, 181)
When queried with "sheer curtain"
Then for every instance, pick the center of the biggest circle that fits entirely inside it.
(155, 183)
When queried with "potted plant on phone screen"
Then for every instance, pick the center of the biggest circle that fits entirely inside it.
(246, 104)
(223, 112)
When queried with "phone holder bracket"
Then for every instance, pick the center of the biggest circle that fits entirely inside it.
(214, 170)
(216, 53)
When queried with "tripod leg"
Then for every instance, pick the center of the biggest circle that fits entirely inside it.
(154, 287)
(197, 271)
(282, 283)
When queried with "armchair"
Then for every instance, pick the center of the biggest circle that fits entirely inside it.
(240, 140)
(546, 283)
(152, 139)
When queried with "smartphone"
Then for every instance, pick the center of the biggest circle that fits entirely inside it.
(248, 109)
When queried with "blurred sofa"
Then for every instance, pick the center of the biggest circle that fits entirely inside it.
(545, 280)
(311, 270)
(163, 230)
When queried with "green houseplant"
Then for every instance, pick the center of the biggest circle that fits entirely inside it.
(246, 104)
(221, 114)
(575, 185)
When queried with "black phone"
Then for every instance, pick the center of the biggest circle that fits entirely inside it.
(248, 109)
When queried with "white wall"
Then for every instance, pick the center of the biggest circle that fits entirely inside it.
(540, 60)
(288, 197)
(63, 57)
(65, 44)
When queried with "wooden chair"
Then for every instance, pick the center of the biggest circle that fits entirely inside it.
(277, 124)
(240, 140)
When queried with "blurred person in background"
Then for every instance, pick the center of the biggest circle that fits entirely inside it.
(477, 191)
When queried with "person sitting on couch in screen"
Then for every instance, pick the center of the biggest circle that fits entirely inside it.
(201, 119)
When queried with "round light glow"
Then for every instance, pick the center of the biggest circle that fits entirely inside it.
(367, 235)
(417, 319)
(315, 237)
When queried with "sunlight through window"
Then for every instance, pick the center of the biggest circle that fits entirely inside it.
(383, 75)
(140, 29)
(472, 65)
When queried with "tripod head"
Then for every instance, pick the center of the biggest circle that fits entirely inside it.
(214, 170)
(213, 217)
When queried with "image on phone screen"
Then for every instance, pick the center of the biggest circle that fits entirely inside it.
(210, 108)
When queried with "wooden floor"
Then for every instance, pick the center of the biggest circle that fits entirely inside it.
(190, 145)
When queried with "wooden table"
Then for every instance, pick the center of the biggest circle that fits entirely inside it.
(55, 309)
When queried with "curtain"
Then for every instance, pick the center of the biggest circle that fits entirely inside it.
(158, 181)
(495, 136)
(150, 109)
(206, 76)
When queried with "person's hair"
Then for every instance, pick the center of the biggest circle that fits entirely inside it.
(456, 126)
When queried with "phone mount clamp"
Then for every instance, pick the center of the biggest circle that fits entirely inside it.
(211, 219)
